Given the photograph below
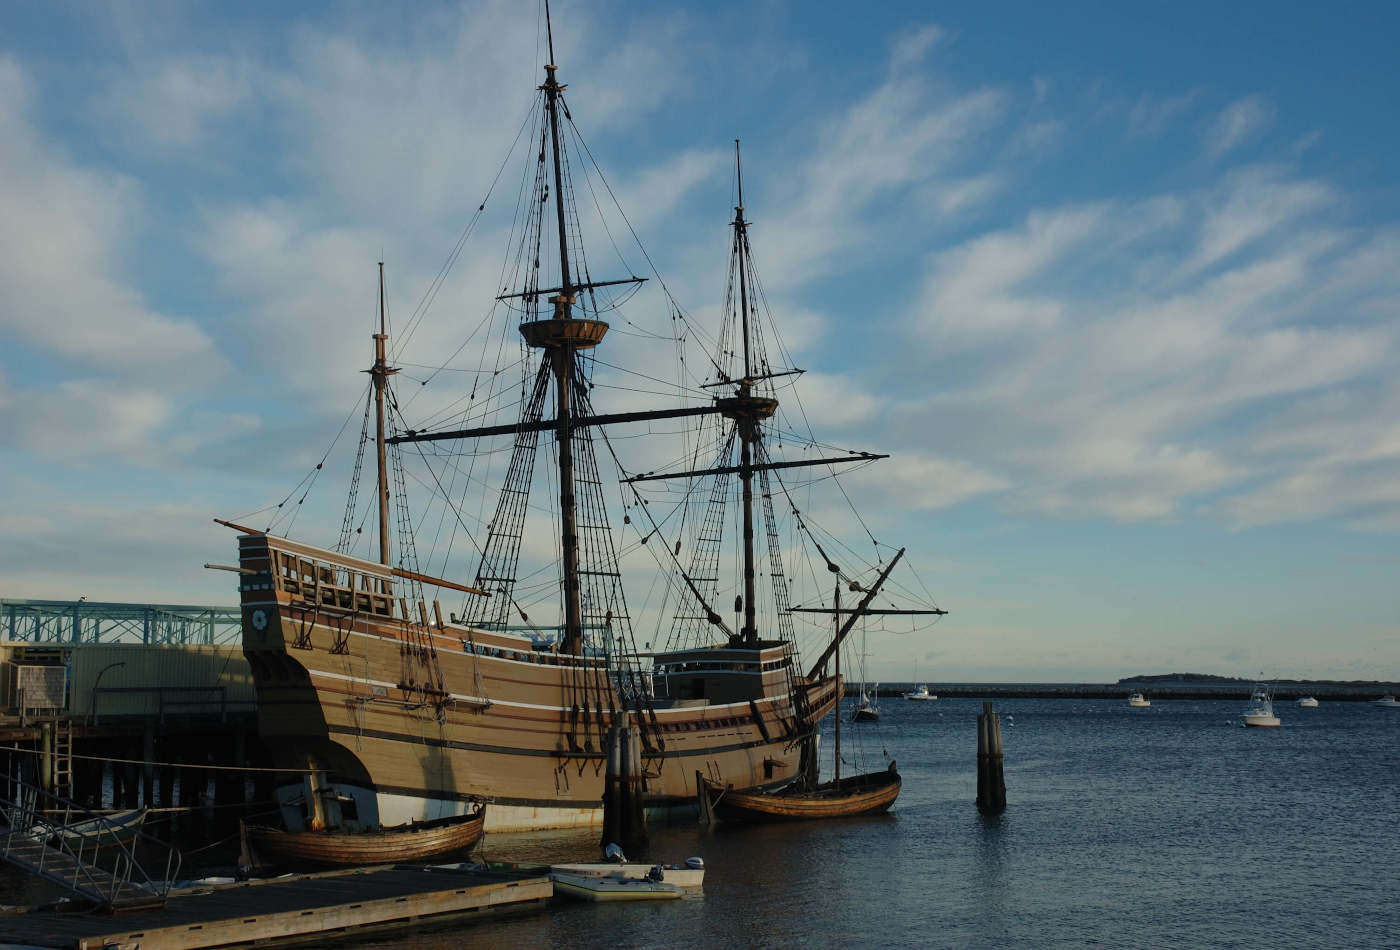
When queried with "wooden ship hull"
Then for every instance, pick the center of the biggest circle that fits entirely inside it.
(429, 841)
(869, 794)
(391, 715)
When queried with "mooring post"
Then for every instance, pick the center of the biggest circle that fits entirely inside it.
(636, 831)
(612, 806)
(991, 783)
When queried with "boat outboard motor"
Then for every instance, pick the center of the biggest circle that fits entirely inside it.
(613, 853)
(656, 873)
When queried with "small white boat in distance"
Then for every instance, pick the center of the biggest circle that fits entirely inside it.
(1261, 713)
(1307, 702)
(920, 692)
(1388, 700)
(1138, 700)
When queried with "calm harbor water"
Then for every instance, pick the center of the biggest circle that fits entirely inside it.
(1169, 826)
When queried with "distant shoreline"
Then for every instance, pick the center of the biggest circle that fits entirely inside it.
(1336, 692)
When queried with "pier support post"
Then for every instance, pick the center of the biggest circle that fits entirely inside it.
(991, 783)
(148, 767)
(46, 756)
(131, 782)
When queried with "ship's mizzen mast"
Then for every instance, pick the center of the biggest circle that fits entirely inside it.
(380, 373)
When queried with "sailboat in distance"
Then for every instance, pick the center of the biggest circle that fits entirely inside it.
(381, 712)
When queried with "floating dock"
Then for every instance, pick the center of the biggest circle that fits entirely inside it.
(306, 909)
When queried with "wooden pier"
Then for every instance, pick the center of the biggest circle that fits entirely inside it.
(318, 909)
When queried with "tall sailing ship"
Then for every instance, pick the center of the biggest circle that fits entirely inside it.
(382, 712)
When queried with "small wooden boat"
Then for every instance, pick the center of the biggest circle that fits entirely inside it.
(591, 887)
(415, 841)
(104, 831)
(870, 794)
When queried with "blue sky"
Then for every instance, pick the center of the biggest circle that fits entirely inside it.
(1115, 285)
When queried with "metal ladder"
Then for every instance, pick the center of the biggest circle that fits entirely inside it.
(63, 759)
(80, 850)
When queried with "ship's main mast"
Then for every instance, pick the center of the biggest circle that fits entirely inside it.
(747, 411)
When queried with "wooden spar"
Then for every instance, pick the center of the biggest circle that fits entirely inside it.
(873, 612)
(855, 615)
(590, 285)
(759, 467)
(396, 571)
(548, 425)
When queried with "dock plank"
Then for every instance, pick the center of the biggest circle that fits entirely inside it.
(302, 909)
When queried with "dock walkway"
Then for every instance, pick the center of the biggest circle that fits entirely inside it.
(308, 909)
(59, 866)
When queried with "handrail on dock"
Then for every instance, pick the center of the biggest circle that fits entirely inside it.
(36, 834)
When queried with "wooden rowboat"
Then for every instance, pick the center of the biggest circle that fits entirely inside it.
(416, 841)
(869, 794)
(102, 832)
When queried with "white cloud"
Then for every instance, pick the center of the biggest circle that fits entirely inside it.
(169, 104)
(1151, 115)
(1118, 402)
(63, 233)
(1240, 121)
(969, 294)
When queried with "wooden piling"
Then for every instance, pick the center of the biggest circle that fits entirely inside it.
(148, 767)
(991, 783)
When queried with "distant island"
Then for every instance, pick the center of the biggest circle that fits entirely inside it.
(1155, 686)
(1183, 679)
(1210, 679)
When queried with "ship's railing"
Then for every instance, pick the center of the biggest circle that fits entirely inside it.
(332, 585)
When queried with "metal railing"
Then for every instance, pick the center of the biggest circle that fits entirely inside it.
(83, 850)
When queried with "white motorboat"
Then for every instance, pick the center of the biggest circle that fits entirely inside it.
(1138, 701)
(920, 692)
(689, 876)
(1261, 710)
(594, 888)
(1307, 702)
(1388, 701)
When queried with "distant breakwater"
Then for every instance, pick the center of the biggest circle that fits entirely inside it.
(1346, 692)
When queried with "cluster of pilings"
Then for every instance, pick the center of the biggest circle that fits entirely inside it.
(213, 770)
(991, 783)
(624, 812)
